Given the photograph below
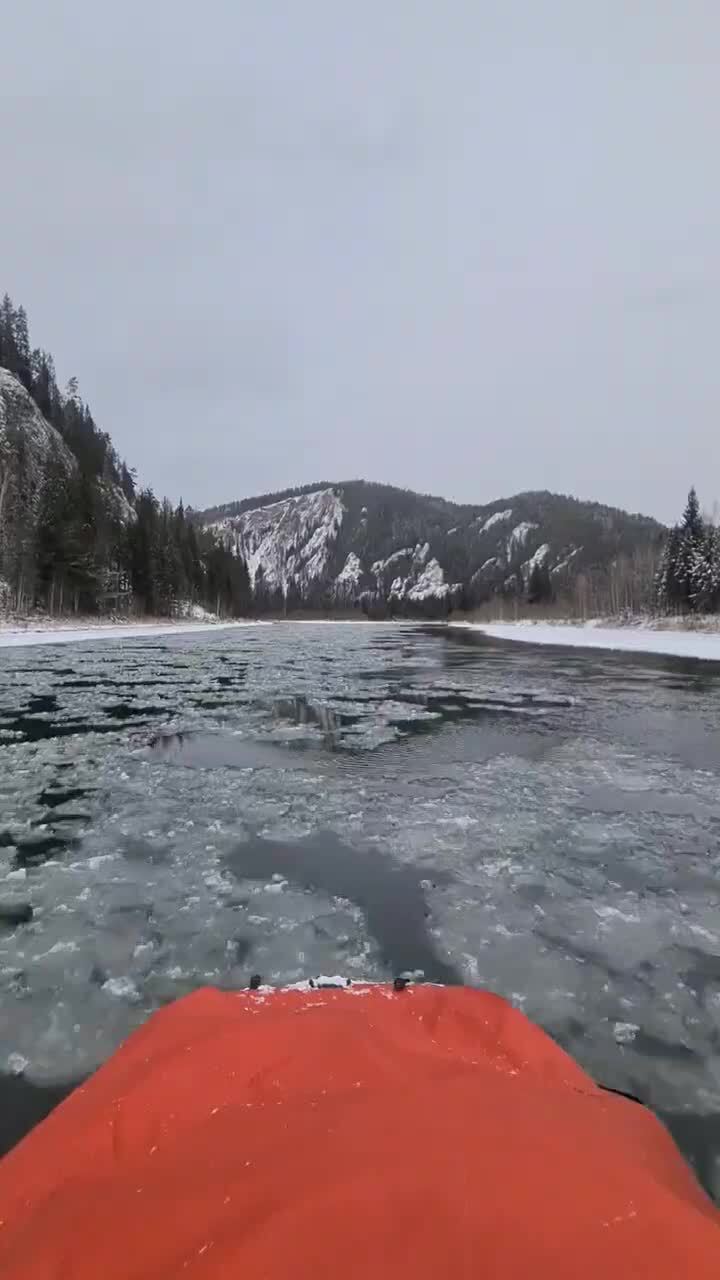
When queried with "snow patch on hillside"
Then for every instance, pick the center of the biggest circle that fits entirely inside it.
(499, 517)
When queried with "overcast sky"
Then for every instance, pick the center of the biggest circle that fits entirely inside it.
(467, 246)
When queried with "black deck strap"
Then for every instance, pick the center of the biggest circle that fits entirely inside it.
(622, 1093)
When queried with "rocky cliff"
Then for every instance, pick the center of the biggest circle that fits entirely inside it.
(36, 468)
(376, 545)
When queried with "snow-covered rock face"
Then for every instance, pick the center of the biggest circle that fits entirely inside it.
(487, 571)
(499, 517)
(430, 583)
(35, 465)
(290, 542)
(566, 560)
(519, 537)
(347, 582)
(23, 426)
(536, 561)
(408, 574)
(296, 542)
(540, 556)
(380, 567)
(117, 504)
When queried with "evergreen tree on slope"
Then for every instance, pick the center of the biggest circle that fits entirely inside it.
(689, 575)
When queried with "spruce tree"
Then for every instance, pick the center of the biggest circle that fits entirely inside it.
(689, 574)
(667, 587)
(692, 522)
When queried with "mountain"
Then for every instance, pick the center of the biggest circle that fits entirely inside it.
(77, 534)
(382, 548)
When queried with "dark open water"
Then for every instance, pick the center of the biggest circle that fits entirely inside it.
(298, 800)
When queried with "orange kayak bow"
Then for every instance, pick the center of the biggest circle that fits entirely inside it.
(364, 1132)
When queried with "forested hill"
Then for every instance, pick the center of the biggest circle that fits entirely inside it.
(383, 548)
(76, 534)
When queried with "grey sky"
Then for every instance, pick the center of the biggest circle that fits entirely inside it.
(468, 246)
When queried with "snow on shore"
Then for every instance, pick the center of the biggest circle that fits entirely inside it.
(671, 643)
(54, 632)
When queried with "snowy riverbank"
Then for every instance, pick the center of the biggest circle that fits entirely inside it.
(671, 642)
(63, 632)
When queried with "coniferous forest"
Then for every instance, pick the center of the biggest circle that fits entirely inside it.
(76, 534)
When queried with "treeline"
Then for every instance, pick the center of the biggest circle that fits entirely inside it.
(624, 587)
(81, 538)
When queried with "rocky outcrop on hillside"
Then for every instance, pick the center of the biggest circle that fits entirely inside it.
(36, 467)
(286, 545)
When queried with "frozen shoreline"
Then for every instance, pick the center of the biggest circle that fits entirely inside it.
(12, 635)
(670, 642)
(61, 631)
(704, 645)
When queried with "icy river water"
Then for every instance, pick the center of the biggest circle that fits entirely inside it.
(365, 800)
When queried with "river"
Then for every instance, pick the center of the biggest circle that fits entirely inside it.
(365, 800)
